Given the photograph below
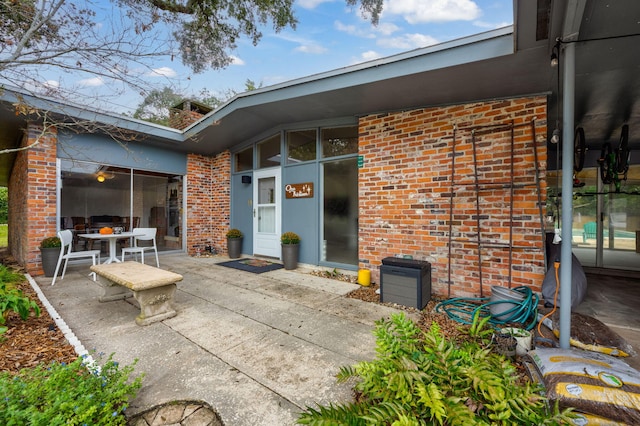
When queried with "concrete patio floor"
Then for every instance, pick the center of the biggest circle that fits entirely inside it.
(257, 348)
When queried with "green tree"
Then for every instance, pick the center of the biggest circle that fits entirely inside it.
(155, 107)
(118, 43)
(113, 41)
(4, 204)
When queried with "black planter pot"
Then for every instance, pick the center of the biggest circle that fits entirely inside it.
(234, 247)
(290, 253)
(49, 257)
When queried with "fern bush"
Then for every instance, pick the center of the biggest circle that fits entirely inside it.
(423, 378)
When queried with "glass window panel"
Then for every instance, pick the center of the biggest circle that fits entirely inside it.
(266, 190)
(157, 204)
(267, 219)
(95, 195)
(301, 146)
(269, 152)
(340, 211)
(244, 160)
(339, 141)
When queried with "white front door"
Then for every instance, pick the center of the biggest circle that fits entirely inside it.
(266, 212)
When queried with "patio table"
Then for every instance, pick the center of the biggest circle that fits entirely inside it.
(112, 242)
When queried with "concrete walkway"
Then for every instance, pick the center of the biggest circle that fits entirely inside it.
(258, 349)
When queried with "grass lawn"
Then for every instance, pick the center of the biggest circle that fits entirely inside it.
(3, 235)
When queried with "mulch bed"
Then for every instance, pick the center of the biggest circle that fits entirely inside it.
(34, 341)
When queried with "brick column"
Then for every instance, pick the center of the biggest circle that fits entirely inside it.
(208, 201)
(32, 197)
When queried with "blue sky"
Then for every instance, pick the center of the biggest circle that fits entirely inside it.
(330, 35)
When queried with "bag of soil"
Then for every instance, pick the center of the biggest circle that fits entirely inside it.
(590, 382)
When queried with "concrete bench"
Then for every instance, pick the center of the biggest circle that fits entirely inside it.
(152, 287)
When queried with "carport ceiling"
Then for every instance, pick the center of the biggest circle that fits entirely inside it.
(607, 72)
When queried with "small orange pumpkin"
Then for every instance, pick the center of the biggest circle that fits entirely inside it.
(106, 230)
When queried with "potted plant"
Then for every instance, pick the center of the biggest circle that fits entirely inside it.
(290, 250)
(50, 252)
(234, 243)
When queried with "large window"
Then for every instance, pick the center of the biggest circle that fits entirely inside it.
(339, 141)
(95, 195)
(269, 152)
(301, 146)
(244, 160)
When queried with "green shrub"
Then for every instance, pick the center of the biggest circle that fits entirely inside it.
(70, 394)
(12, 298)
(424, 378)
(290, 238)
(234, 233)
(50, 242)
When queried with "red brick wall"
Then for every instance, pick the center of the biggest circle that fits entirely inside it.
(406, 185)
(208, 201)
(32, 197)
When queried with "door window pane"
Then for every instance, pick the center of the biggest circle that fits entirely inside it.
(301, 146)
(339, 141)
(266, 205)
(269, 152)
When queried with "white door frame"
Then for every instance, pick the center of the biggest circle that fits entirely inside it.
(267, 243)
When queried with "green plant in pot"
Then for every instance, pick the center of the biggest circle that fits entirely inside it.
(50, 252)
(234, 243)
(290, 249)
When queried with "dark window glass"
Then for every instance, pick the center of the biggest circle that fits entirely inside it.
(301, 146)
(339, 141)
(269, 152)
(244, 160)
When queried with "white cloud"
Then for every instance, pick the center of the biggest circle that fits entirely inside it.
(310, 4)
(352, 30)
(91, 82)
(386, 28)
(370, 55)
(490, 25)
(314, 49)
(52, 84)
(419, 11)
(163, 72)
(236, 61)
(407, 41)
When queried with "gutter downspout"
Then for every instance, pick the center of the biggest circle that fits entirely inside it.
(568, 107)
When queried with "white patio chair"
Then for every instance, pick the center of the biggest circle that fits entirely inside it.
(147, 234)
(66, 253)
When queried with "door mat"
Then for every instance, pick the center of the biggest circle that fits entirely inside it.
(257, 266)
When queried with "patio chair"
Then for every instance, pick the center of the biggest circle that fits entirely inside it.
(66, 253)
(589, 231)
(148, 234)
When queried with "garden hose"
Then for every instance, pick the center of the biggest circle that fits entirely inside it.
(463, 310)
(556, 266)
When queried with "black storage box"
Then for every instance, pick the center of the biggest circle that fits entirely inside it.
(405, 282)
